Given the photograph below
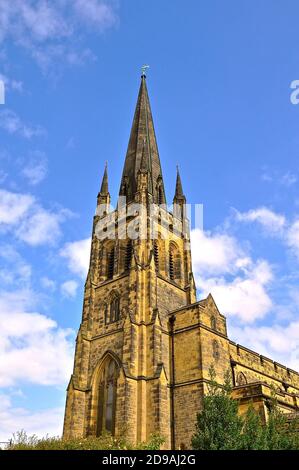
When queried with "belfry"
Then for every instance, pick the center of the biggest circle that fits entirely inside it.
(145, 344)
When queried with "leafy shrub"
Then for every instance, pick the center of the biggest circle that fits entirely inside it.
(21, 441)
(219, 426)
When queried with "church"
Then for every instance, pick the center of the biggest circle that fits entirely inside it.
(145, 343)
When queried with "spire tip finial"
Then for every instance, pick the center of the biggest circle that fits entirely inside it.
(143, 70)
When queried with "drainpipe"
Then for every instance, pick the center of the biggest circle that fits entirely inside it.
(172, 382)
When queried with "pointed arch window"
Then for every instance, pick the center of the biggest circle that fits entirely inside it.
(216, 352)
(160, 256)
(128, 255)
(125, 187)
(171, 265)
(107, 397)
(110, 262)
(113, 312)
(174, 263)
(156, 255)
(160, 193)
(241, 379)
(103, 311)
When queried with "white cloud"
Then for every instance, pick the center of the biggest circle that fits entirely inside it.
(42, 227)
(47, 29)
(238, 284)
(14, 206)
(267, 177)
(13, 124)
(27, 18)
(41, 422)
(13, 268)
(36, 168)
(284, 179)
(280, 343)
(3, 176)
(77, 254)
(11, 84)
(288, 179)
(292, 237)
(48, 284)
(272, 222)
(243, 286)
(245, 296)
(29, 221)
(69, 288)
(52, 55)
(214, 253)
(95, 13)
(33, 349)
(80, 57)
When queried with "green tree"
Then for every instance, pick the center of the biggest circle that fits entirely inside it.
(219, 426)
(253, 435)
(279, 432)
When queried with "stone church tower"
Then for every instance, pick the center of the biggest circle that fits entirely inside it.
(145, 344)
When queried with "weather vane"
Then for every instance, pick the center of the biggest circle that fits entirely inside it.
(143, 70)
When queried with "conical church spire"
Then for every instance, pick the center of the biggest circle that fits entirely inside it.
(104, 196)
(179, 199)
(179, 194)
(143, 149)
(104, 186)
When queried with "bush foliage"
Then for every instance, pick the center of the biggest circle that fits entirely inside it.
(220, 427)
(21, 441)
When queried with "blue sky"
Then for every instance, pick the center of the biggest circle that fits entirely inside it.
(219, 84)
